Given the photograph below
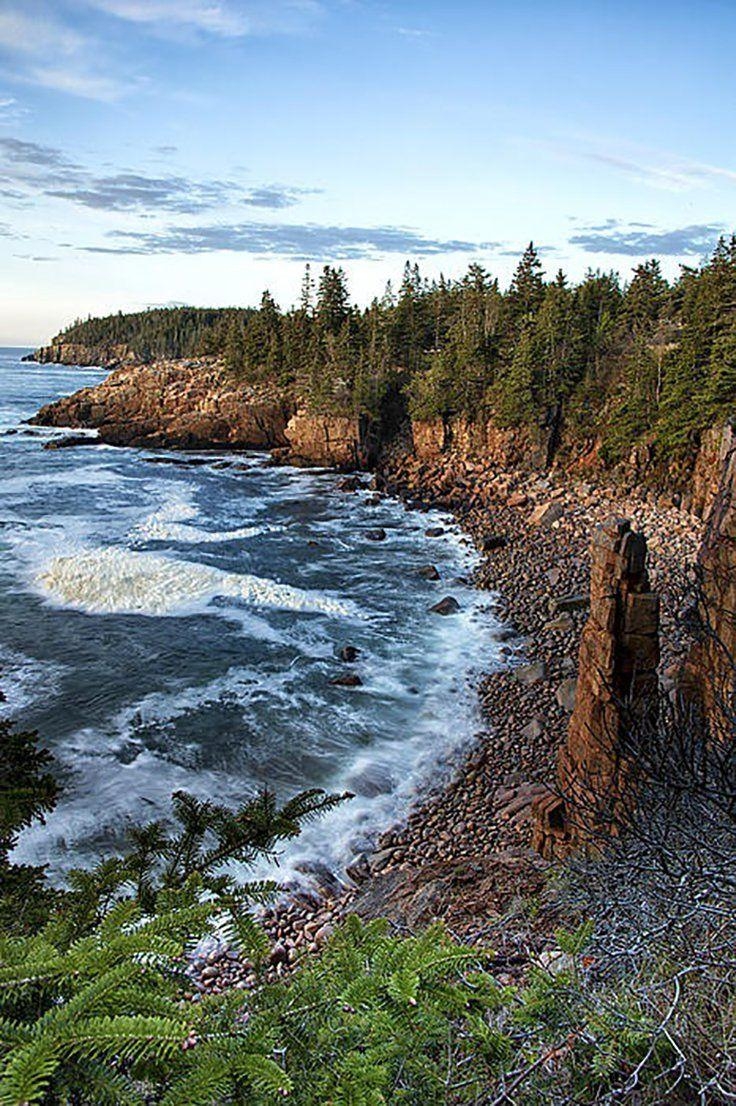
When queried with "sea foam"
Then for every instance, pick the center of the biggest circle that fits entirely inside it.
(120, 581)
(170, 524)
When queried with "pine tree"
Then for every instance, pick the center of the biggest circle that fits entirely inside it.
(527, 288)
(28, 791)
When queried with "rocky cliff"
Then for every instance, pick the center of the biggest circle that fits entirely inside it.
(709, 673)
(65, 353)
(617, 683)
(334, 441)
(179, 405)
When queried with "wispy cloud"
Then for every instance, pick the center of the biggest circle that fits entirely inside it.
(659, 169)
(41, 50)
(10, 110)
(44, 170)
(633, 240)
(222, 18)
(668, 172)
(305, 242)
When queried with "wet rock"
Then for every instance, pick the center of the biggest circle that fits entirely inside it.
(324, 933)
(448, 605)
(349, 680)
(493, 541)
(379, 534)
(429, 572)
(349, 653)
(350, 484)
(71, 441)
(434, 532)
(359, 870)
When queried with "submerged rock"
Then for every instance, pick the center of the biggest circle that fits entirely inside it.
(429, 572)
(349, 680)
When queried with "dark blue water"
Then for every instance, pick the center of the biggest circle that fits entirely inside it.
(169, 626)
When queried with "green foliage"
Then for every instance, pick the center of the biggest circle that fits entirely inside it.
(651, 362)
(378, 1019)
(27, 792)
(100, 1019)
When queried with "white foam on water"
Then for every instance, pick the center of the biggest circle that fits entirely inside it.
(169, 523)
(25, 680)
(120, 581)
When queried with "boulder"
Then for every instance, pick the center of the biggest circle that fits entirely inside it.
(545, 514)
(529, 674)
(429, 572)
(349, 653)
(565, 694)
(378, 534)
(448, 605)
(493, 541)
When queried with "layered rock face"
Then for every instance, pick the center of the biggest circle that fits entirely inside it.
(179, 405)
(504, 448)
(710, 672)
(330, 440)
(617, 683)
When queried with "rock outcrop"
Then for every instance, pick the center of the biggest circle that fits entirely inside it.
(617, 683)
(66, 353)
(334, 441)
(468, 441)
(710, 671)
(178, 405)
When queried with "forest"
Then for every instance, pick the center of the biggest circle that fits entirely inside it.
(646, 360)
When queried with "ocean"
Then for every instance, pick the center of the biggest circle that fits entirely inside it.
(173, 625)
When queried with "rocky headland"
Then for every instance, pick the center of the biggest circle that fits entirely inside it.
(592, 579)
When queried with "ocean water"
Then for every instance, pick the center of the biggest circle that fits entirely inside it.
(166, 625)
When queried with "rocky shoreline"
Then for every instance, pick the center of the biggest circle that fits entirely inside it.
(463, 854)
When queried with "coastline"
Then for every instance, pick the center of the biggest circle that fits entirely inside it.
(462, 854)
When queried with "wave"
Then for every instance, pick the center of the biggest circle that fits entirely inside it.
(25, 680)
(119, 581)
(169, 524)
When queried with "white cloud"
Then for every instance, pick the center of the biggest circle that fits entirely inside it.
(36, 35)
(30, 39)
(224, 19)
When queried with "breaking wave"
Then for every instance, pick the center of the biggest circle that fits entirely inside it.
(170, 524)
(119, 581)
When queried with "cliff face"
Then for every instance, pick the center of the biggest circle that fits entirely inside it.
(710, 670)
(179, 405)
(330, 440)
(64, 353)
(617, 681)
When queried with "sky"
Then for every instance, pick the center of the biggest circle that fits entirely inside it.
(199, 151)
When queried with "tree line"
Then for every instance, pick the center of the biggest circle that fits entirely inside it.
(624, 362)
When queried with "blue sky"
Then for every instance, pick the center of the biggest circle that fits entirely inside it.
(198, 151)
